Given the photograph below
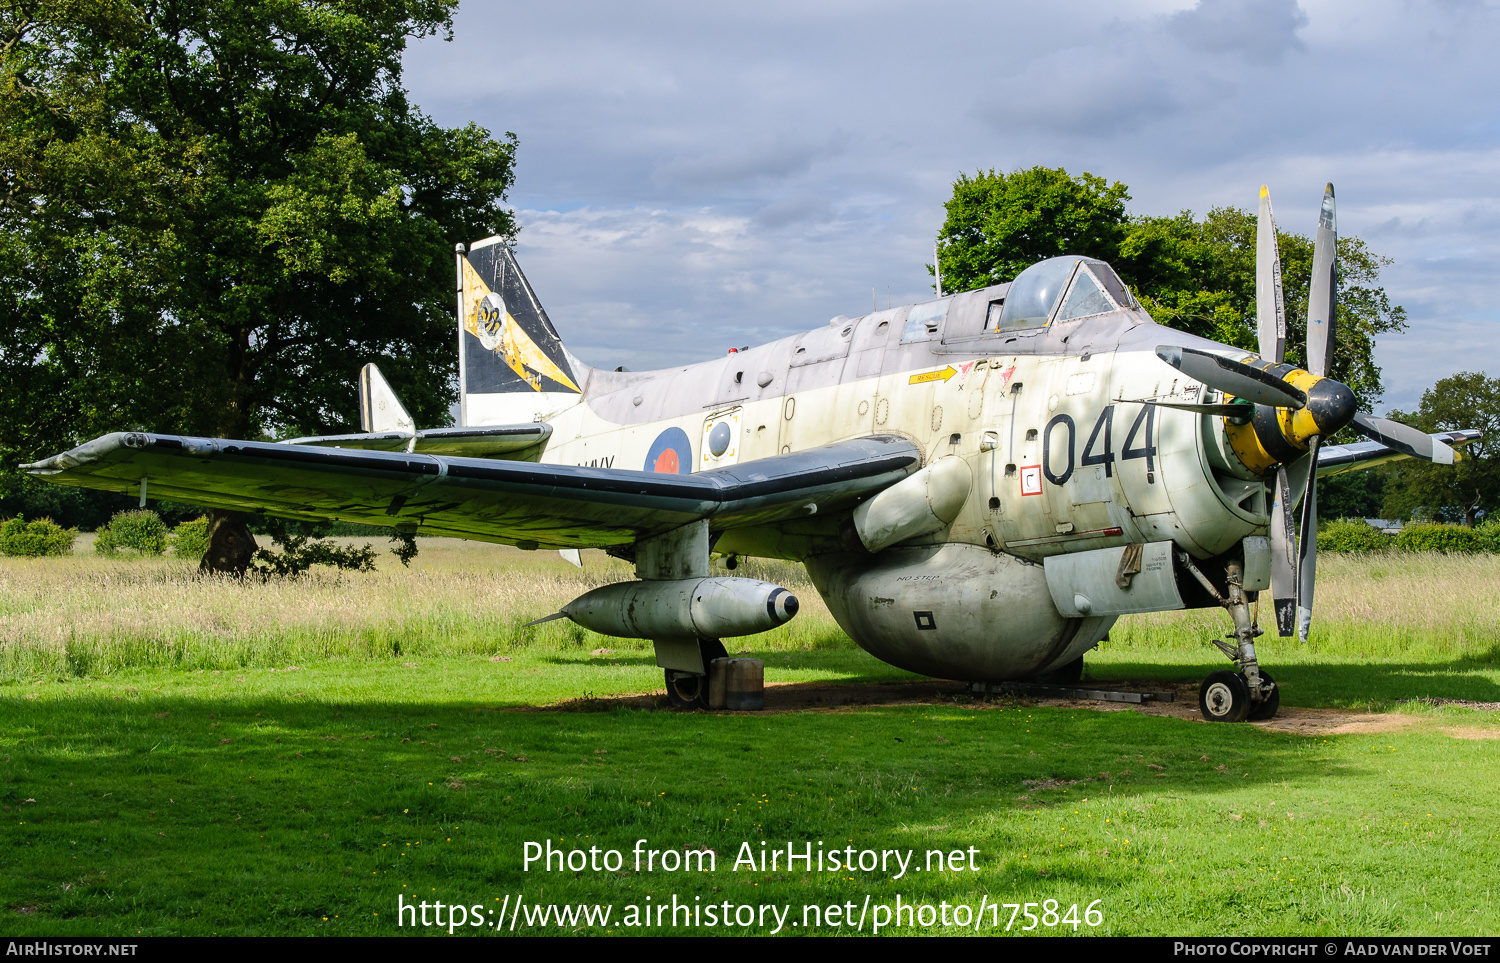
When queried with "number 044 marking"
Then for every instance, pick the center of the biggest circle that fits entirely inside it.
(1099, 449)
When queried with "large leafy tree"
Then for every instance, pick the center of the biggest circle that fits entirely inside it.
(1459, 492)
(999, 224)
(1191, 274)
(212, 212)
(1199, 276)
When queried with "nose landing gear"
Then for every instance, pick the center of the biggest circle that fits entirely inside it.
(1226, 696)
(1248, 693)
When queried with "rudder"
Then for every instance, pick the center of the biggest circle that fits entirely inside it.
(512, 365)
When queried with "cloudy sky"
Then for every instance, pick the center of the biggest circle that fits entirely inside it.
(698, 176)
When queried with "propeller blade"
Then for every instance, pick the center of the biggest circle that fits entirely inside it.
(1296, 479)
(1233, 377)
(1270, 310)
(1323, 290)
(1283, 557)
(1307, 560)
(1403, 438)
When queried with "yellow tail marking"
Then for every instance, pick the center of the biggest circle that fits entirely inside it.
(474, 291)
(516, 347)
(526, 359)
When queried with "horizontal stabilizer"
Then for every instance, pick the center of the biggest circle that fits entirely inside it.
(379, 408)
(494, 441)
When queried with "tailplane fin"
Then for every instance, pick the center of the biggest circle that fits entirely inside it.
(512, 365)
(379, 408)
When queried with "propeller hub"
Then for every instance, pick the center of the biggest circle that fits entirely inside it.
(1330, 406)
(1279, 435)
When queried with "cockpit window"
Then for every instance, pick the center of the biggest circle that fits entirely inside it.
(1084, 298)
(1112, 284)
(1035, 292)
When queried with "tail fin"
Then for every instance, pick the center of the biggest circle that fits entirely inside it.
(512, 365)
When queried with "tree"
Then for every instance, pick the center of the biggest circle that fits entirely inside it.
(213, 212)
(1199, 276)
(999, 224)
(1458, 492)
(1353, 494)
(1194, 275)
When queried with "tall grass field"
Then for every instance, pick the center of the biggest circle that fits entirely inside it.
(183, 755)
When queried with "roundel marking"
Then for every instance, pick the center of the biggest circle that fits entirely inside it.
(670, 452)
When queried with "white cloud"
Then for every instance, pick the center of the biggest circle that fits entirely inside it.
(1261, 31)
(737, 163)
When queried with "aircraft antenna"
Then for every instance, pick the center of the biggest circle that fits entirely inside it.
(937, 269)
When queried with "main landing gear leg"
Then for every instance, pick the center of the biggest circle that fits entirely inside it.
(1249, 693)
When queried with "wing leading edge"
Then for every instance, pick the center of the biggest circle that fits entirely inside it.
(556, 506)
(1338, 459)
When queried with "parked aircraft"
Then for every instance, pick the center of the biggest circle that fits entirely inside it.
(979, 485)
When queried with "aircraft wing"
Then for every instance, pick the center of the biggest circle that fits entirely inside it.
(522, 503)
(1337, 459)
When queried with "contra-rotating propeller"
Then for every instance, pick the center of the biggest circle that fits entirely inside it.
(1291, 411)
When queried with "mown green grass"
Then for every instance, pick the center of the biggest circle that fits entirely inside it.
(209, 794)
(199, 805)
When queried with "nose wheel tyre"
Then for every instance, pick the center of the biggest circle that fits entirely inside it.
(1224, 697)
(1266, 708)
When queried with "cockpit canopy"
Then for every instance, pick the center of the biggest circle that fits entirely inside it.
(1082, 285)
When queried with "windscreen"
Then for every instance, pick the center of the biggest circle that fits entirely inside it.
(1034, 293)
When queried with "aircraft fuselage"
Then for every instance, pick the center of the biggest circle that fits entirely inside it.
(1059, 461)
